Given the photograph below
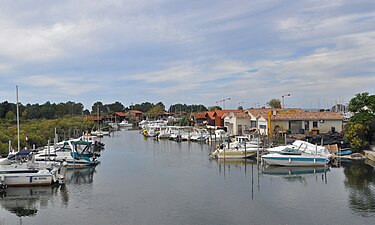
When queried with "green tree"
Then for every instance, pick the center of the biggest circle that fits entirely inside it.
(274, 103)
(116, 107)
(11, 117)
(356, 135)
(361, 126)
(155, 111)
(213, 108)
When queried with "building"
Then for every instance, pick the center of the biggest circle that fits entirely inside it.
(135, 115)
(115, 117)
(294, 121)
(212, 118)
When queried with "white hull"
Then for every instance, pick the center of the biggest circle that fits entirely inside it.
(27, 179)
(233, 154)
(295, 160)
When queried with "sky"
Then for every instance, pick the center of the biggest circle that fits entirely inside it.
(248, 52)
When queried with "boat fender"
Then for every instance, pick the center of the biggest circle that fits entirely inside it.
(290, 160)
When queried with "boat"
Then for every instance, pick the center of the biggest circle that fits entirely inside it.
(242, 141)
(223, 152)
(306, 154)
(76, 153)
(125, 124)
(30, 173)
(25, 172)
(343, 152)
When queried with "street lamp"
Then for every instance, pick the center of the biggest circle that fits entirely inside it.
(287, 95)
(239, 104)
(223, 101)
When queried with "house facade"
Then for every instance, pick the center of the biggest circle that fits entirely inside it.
(294, 121)
(136, 115)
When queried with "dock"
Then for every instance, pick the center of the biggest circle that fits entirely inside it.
(370, 155)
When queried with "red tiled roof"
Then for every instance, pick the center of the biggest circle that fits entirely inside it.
(135, 111)
(220, 113)
(294, 114)
(210, 114)
(199, 115)
(309, 115)
(120, 113)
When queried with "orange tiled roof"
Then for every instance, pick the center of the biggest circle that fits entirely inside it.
(309, 115)
(134, 111)
(210, 114)
(120, 113)
(199, 115)
(221, 113)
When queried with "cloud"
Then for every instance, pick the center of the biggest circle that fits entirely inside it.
(188, 50)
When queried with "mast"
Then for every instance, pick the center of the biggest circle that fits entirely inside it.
(18, 121)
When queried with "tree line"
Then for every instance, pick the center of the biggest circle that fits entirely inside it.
(50, 110)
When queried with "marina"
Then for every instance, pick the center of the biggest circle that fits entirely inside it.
(147, 181)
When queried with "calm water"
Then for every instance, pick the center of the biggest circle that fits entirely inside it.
(162, 182)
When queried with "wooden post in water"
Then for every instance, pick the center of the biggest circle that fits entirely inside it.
(245, 154)
(285, 139)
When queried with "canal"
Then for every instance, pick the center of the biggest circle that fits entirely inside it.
(143, 181)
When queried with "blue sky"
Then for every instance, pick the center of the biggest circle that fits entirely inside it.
(194, 52)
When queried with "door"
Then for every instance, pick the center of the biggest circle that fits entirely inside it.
(239, 129)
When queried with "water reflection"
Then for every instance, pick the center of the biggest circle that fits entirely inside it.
(360, 181)
(25, 201)
(226, 165)
(81, 175)
(297, 174)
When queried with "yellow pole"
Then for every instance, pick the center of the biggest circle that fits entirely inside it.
(269, 123)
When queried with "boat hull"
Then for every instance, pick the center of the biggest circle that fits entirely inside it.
(233, 154)
(26, 180)
(294, 160)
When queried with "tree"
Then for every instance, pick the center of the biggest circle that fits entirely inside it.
(363, 108)
(143, 107)
(361, 126)
(213, 108)
(356, 135)
(155, 111)
(116, 107)
(274, 103)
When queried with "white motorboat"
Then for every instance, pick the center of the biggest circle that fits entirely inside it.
(125, 124)
(32, 174)
(222, 152)
(306, 154)
(76, 153)
(241, 141)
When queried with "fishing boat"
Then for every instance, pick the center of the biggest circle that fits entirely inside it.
(306, 154)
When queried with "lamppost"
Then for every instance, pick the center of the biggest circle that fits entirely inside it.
(223, 101)
(239, 104)
(287, 95)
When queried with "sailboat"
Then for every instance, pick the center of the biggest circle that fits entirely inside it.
(29, 173)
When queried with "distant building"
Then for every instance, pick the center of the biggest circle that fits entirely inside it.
(212, 118)
(295, 121)
(136, 115)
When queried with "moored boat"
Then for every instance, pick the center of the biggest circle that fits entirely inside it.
(305, 155)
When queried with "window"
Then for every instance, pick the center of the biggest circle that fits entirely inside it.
(315, 124)
(253, 124)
